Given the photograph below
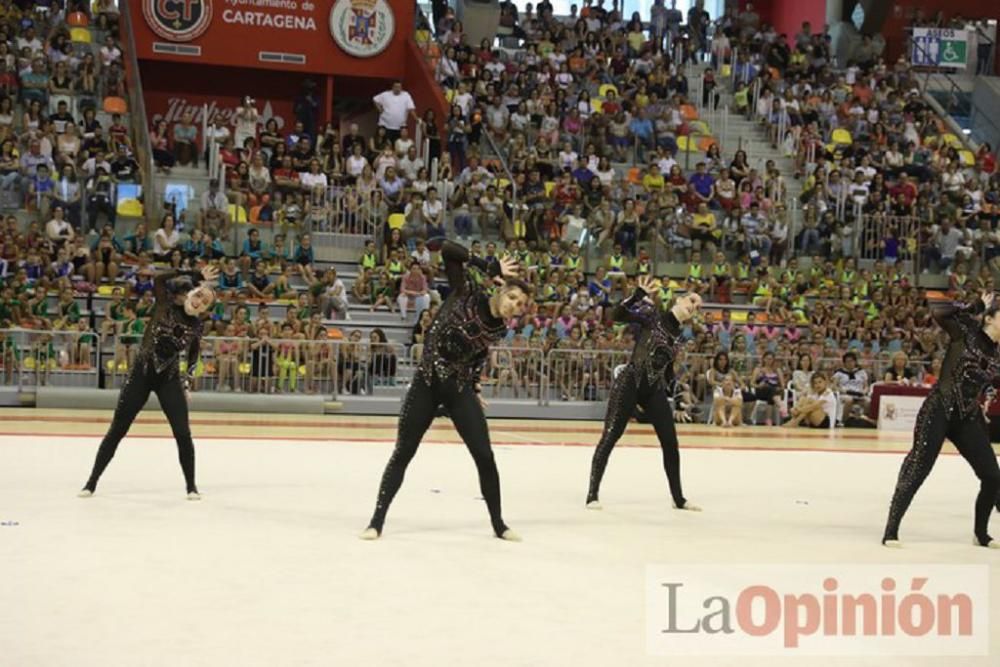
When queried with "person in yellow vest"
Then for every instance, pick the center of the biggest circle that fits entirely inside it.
(573, 260)
(696, 273)
(763, 292)
(799, 306)
(791, 273)
(643, 265)
(741, 98)
(616, 267)
(665, 293)
(369, 258)
(719, 281)
(396, 267)
(861, 287)
(849, 274)
(744, 276)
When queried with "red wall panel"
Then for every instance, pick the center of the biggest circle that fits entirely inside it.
(230, 40)
(787, 16)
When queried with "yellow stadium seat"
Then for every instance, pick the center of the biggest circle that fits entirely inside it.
(951, 140)
(80, 35)
(449, 94)
(699, 127)
(502, 184)
(968, 159)
(726, 70)
(842, 137)
(596, 104)
(130, 208)
(237, 214)
(105, 290)
(549, 187)
(686, 144)
(396, 221)
(606, 88)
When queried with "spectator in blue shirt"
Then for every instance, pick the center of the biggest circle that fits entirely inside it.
(703, 182)
(253, 251)
(641, 129)
(582, 174)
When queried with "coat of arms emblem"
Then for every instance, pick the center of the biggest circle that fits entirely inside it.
(362, 28)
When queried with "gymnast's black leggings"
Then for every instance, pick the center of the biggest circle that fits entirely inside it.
(141, 381)
(630, 388)
(970, 436)
(419, 408)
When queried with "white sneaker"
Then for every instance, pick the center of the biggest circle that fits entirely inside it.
(194, 495)
(369, 534)
(594, 505)
(347, 317)
(896, 544)
(85, 493)
(688, 507)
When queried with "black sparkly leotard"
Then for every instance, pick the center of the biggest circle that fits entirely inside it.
(456, 348)
(952, 410)
(644, 382)
(458, 341)
(157, 369)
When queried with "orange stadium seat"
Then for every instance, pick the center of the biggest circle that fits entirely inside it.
(77, 20)
(115, 105)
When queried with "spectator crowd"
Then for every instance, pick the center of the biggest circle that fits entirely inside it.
(569, 149)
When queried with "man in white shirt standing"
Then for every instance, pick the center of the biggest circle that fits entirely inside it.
(395, 107)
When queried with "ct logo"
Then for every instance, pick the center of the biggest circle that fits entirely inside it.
(178, 20)
(362, 28)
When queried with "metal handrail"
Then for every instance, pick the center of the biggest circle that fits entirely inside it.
(966, 141)
(140, 124)
(503, 164)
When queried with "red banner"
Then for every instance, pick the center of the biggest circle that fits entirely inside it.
(361, 38)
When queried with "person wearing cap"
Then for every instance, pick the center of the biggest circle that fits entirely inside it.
(214, 208)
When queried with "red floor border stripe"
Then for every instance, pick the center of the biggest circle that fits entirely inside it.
(496, 443)
(498, 424)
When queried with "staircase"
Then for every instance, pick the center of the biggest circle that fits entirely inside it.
(752, 137)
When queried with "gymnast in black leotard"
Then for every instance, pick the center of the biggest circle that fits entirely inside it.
(456, 347)
(175, 327)
(644, 381)
(952, 410)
